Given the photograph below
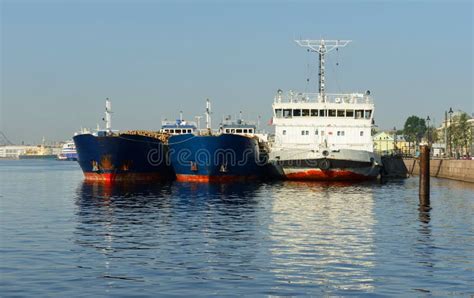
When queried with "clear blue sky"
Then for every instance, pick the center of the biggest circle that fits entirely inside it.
(61, 59)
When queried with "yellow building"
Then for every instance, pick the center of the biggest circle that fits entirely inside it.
(383, 143)
(403, 146)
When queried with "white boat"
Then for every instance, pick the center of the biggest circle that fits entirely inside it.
(321, 136)
(68, 152)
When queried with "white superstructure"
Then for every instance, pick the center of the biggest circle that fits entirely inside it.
(311, 121)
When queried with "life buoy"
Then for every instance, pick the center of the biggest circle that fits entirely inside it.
(324, 164)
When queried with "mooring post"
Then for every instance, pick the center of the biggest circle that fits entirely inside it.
(424, 176)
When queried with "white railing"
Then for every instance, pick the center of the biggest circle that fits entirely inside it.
(178, 123)
(353, 98)
(238, 123)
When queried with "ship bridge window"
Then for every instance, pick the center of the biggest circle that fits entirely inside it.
(178, 131)
(332, 113)
(314, 113)
(278, 113)
(251, 130)
(296, 113)
(368, 113)
(232, 130)
(350, 113)
(239, 130)
(305, 112)
(340, 113)
(287, 113)
(305, 132)
(322, 113)
(359, 113)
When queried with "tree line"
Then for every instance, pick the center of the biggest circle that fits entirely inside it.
(459, 135)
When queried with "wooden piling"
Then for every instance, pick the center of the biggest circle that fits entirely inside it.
(424, 187)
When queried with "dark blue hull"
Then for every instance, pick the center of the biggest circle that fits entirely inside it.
(225, 157)
(122, 157)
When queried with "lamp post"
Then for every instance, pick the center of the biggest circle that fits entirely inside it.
(428, 130)
(450, 129)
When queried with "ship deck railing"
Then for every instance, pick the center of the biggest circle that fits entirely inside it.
(178, 124)
(352, 98)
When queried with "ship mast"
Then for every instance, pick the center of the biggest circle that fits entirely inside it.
(322, 47)
(108, 114)
(208, 114)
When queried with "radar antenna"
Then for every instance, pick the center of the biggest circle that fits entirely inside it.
(322, 47)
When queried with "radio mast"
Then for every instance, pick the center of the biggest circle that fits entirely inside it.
(322, 47)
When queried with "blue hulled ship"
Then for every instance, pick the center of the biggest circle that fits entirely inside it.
(235, 152)
(107, 155)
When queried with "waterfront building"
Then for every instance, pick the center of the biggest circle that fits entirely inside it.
(438, 149)
(384, 143)
(14, 151)
(402, 146)
(449, 134)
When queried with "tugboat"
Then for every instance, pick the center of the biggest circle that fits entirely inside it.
(236, 152)
(321, 136)
(110, 155)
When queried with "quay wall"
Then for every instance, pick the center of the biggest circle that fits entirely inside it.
(462, 170)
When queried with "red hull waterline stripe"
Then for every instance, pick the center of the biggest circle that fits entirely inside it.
(330, 175)
(208, 179)
(109, 177)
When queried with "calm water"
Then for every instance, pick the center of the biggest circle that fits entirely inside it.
(63, 237)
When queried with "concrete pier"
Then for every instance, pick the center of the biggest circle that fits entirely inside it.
(462, 170)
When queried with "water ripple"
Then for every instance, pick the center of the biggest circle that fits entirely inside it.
(61, 235)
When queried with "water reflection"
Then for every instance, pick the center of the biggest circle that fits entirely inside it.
(323, 235)
(283, 238)
(188, 230)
